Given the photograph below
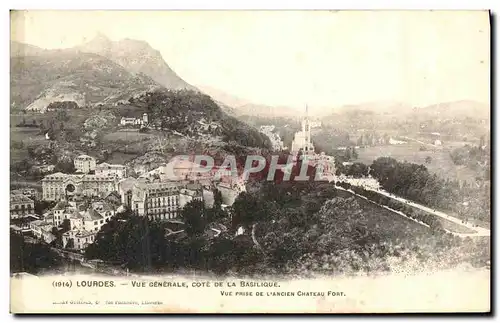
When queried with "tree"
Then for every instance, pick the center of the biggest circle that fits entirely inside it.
(354, 153)
(247, 209)
(357, 170)
(66, 225)
(29, 257)
(193, 215)
(62, 116)
(70, 244)
(348, 153)
(217, 198)
(428, 159)
(65, 166)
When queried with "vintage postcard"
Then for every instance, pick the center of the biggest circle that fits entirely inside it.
(250, 162)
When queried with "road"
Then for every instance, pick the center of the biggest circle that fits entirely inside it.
(480, 232)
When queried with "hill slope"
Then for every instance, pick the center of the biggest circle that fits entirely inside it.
(70, 75)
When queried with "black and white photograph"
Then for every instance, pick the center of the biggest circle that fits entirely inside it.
(321, 161)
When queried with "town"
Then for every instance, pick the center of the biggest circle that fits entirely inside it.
(88, 198)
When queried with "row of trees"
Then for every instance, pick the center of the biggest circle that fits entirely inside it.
(416, 214)
(416, 183)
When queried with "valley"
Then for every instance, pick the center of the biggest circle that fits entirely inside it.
(122, 106)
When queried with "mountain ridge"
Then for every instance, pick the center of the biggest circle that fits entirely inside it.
(137, 56)
(98, 72)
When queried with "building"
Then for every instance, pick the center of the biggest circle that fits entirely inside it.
(315, 124)
(396, 142)
(62, 211)
(32, 193)
(127, 121)
(78, 239)
(178, 170)
(158, 200)
(106, 169)
(302, 139)
(60, 186)
(132, 121)
(42, 230)
(44, 168)
(84, 225)
(84, 164)
(21, 205)
(113, 198)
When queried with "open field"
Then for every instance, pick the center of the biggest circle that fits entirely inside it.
(129, 136)
(120, 158)
(447, 224)
(28, 137)
(390, 223)
(441, 163)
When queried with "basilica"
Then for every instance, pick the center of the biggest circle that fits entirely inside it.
(302, 140)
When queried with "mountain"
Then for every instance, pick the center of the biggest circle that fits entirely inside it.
(20, 49)
(375, 107)
(456, 110)
(70, 75)
(99, 71)
(240, 107)
(137, 57)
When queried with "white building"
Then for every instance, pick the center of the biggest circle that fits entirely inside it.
(396, 142)
(131, 121)
(106, 169)
(158, 200)
(315, 124)
(84, 226)
(58, 186)
(21, 205)
(42, 230)
(84, 164)
(302, 139)
(78, 239)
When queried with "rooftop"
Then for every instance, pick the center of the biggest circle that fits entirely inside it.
(106, 165)
(84, 157)
(91, 215)
(19, 198)
(62, 205)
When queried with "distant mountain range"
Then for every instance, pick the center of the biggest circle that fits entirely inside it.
(100, 71)
(107, 72)
(241, 107)
(446, 110)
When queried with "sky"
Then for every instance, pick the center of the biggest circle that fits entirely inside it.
(290, 58)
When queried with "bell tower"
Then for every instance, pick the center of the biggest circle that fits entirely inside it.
(306, 128)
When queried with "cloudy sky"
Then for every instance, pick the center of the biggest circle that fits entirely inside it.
(293, 57)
